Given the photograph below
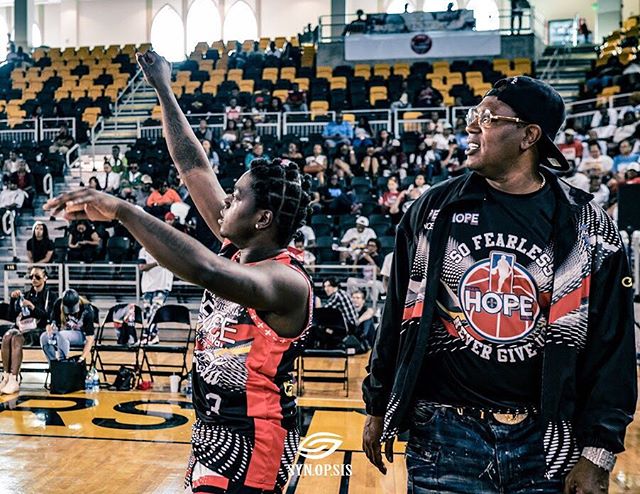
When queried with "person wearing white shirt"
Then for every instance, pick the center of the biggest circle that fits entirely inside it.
(309, 236)
(596, 162)
(355, 239)
(12, 197)
(156, 284)
(385, 271)
(109, 180)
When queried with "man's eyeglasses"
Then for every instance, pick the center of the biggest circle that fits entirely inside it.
(485, 118)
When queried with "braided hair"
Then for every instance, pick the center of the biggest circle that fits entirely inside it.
(280, 187)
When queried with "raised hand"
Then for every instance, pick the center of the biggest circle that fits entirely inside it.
(86, 204)
(156, 69)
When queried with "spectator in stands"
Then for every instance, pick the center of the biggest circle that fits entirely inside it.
(30, 311)
(142, 194)
(248, 132)
(357, 26)
(212, 155)
(626, 128)
(299, 243)
(11, 164)
(370, 260)
(355, 239)
(385, 272)
(293, 154)
(415, 190)
(117, 160)
(63, 141)
(316, 164)
(12, 197)
(156, 284)
(108, 179)
(364, 127)
(443, 138)
(161, 198)
(131, 178)
(337, 132)
(454, 161)
(39, 246)
(428, 96)
(391, 201)
(83, 242)
(72, 323)
(24, 179)
(203, 131)
(296, 101)
(398, 161)
(572, 148)
(383, 146)
(339, 299)
(94, 184)
(599, 190)
(517, 9)
(230, 135)
(365, 330)
(276, 105)
(402, 103)
(577, 179)
(233, 110)
(344, 159)
(257, 152)
(334, 198)
(596, 162)
(308, 234)
(273, 51)
(583, 30)
(370, 163)
(622, 160)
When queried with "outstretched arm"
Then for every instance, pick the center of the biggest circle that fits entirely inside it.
(185, 149)
(268, 286)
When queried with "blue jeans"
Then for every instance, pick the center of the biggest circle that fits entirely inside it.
(64, 340)
(453, 453)
(151, 302)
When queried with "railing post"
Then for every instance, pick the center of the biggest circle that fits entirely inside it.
(396, 123)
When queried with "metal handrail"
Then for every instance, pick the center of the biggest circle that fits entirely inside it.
(71, 123)
(121, 96)
(47, 185)
(67, 156)
(9, 228)
(95, 134)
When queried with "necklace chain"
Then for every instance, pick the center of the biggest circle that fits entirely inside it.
(544, 181)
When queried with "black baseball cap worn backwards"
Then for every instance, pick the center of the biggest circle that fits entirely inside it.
(537, 103)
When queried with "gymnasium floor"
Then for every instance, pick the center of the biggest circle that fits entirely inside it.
(138, 442)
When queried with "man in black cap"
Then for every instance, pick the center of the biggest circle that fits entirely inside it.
(506, 347)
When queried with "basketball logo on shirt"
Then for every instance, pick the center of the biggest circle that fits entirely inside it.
(499, 299)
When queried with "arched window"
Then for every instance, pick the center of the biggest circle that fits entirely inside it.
(486, 14)
(240, 23)
(397, 7)
(167, 34)
(36, 35)
(203, 23)
(439, 5)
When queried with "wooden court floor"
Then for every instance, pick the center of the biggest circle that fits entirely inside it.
(138, 442)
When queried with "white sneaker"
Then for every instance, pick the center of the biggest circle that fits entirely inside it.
(154, 341)
(11, 387)
(5, 379)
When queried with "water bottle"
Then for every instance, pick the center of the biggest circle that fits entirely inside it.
(25, 310)
(88, 383)
(95, 381)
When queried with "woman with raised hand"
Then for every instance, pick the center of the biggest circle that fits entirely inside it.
(255, 311)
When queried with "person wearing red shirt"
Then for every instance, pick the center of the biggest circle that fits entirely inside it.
(161, 198)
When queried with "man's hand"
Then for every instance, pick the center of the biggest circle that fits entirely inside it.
(86, 204)
(371, 443)
(156, 69)
(16, 294)
(586, 478)
(28, 304)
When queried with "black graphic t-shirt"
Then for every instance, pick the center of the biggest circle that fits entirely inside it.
(485, 347)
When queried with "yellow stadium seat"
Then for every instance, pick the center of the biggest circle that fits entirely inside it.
(95, 92)
(270, 74)
(210, 86)
(156, 113)
(112, 93)
(501, 65)
(338, 83)
(474, 76)
(382, 69)
(610, 91)
(235, 75)
(246, 86)
(411, 126)
(362, 70)
(377, 93)
(206, 65)
(319, 106)
(36, 86)
(281, 94)
(402, 69)
(177, 88)
(191, 86)
(143, 47)
(217, 45)
(61, 94)
(288, 73)
(218, 73)
(183, 75)
(302, 82)
(323, 72)
(294, 41)
(349, 117)
(454, 78)
(78, 93)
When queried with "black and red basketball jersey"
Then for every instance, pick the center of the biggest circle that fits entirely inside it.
(243, 392)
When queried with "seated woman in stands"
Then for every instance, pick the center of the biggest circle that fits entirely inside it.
(39, 246)
(31, 313)
(72, 323)
(83, 242)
